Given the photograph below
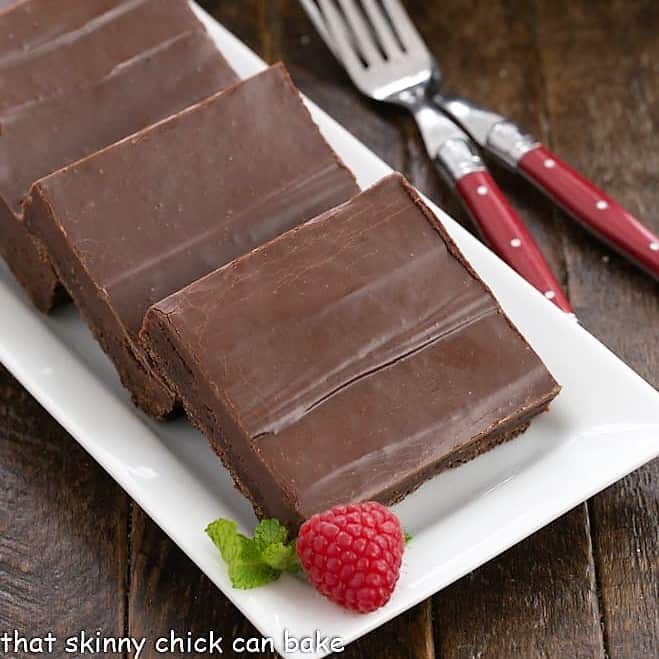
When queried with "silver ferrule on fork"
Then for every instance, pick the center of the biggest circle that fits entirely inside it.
(458, 157)
(498, 136)
(507, 142)
(447, 144)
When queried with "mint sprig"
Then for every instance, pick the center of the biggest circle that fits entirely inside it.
(254, 561)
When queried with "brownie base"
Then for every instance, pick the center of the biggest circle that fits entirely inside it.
(28, 262)
(458, 458)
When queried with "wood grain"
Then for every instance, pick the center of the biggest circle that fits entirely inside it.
(537, 599)
(603, 108)
(62, 527)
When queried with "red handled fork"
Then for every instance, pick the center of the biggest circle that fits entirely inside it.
(387, 60)
(579, 197)
(397, 68)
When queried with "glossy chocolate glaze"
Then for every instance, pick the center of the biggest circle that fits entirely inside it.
(91, 51)
(142, 219)
(104, 79)
(349, 359)
(27, 24)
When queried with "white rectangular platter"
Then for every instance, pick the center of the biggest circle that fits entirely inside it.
(604, 424)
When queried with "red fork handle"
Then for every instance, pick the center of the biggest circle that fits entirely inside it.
(592, 207)
(505, 232)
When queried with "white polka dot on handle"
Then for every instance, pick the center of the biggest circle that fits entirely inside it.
(602, 205)
(481, 190)
(550, 295)
(516, 242)
(654, 246)
(549, 163)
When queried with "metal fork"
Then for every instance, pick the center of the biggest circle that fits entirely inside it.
(387, 60)
(394, 66)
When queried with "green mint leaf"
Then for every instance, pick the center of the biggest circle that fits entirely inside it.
(294, 566)
(248, 569)
(254, 562)
(245, 576)
(248, 553)
(280, 556)
(224, 534)
(269, 532)
(407, 536)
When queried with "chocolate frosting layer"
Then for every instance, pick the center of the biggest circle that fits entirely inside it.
(84, 75)
(382, 302)
(28, 24)
(356, 354)
(91, 50)
(98, 81)
(147, 216)
(129, 98)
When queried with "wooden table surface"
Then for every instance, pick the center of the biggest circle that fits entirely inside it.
(76, 553)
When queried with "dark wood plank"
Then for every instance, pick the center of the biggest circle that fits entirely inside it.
(409, 636)
(599, 62)
(62, 528)
(246, 20)
(537, 599)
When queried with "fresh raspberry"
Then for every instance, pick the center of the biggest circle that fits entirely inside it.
(352, 554)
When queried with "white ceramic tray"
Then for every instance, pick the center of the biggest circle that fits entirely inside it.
(604, 424)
